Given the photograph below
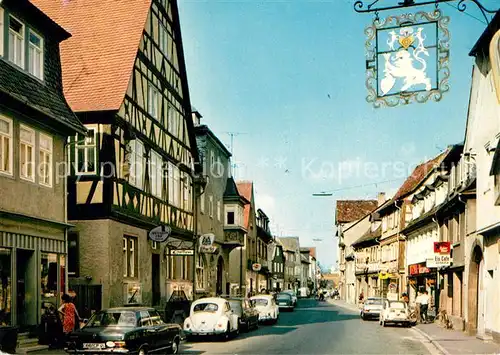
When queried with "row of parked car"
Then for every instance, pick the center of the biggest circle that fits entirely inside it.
(387, 311)
(141, 330)
(227, 316)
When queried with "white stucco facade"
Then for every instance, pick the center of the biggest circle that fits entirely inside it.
(483, 250)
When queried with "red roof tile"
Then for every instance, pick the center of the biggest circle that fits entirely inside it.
(97, 60)
(351, 210)
(418, 175)
(245, 189)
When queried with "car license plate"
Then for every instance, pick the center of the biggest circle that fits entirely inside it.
(94, 345)
(282, 304)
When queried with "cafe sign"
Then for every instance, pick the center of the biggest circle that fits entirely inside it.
(441, 256)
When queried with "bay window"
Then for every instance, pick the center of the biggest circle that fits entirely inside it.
(27, 153)
(6, 139)
(16, 41)
(45, 160)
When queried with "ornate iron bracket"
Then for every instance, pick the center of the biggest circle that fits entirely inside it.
(359, 6)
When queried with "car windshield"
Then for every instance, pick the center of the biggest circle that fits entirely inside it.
(284, 296)
(397, 305)
(260, 301)
(206, 307)
(373, 301)
(112, 318)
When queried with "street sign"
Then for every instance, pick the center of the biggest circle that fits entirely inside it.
(182, 252)
(439, 261)
(208, 249)
(160, 234)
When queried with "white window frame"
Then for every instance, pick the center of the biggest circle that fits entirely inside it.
(1, 31)
(202, 204)
(43, 154)
(86, 145)
(129, 254)
(137, 164)
(153, 99)
(218, 210)
(211, 206)
(235, 218)
(172, 121)
(23, 169)
(11, 45)
(163, 39)
(156, 173)
(7, 140)
(36, 50)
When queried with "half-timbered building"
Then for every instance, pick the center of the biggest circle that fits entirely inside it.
(35, 122)
(124, 75)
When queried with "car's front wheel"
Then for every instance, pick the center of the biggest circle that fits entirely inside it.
(175, 346)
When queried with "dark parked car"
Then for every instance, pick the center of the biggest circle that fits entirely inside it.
(285, 301)
(126, 330)
(246, 311)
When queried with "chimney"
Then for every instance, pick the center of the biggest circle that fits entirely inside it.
(381, 198)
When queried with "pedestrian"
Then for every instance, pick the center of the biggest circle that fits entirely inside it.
(52, 327)
(361, 297)
(69, 315)
(424, 306)
(405, 298)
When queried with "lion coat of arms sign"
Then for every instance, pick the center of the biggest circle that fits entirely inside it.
(407, 59)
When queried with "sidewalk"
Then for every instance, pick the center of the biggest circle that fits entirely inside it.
(344, 304)
(454, 342)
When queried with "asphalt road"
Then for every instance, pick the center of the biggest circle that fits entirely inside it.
(318, 328)
(315, 328)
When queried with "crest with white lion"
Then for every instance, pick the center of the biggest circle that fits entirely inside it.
(407, 59)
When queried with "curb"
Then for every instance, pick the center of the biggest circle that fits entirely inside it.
(432, 341)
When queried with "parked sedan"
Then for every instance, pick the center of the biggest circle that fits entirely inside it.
(127, 330)
(395, 312)
(267, 307)
(246, 311)
(293, 294)
(211, 316)
(285, 301)
(372, 308)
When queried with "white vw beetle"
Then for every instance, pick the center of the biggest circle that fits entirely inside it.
(211, 316)
(267, 307)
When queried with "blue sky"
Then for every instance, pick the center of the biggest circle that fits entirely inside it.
(289, 77)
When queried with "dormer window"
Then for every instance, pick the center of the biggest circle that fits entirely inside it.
(35, 55)
(16, 42)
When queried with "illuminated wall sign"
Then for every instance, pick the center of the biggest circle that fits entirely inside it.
(407, 59)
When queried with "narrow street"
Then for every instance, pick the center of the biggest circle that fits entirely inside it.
(318, 328)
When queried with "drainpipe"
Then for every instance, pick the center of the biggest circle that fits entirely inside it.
(436, 296)
(65, 204)
(399, 230)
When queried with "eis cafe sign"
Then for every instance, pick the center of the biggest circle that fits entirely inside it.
(441, 256)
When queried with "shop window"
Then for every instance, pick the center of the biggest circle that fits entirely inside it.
(5, 286)
(49, 276)
(73, 254)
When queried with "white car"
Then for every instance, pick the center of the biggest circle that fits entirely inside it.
(395, 312)
(267, 308)
(211, 316)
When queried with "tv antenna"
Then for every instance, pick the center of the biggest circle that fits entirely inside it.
(232, 135)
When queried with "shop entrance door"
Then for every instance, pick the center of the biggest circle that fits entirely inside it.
(27, 313)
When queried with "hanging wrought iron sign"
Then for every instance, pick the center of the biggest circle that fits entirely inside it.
(407, 59)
